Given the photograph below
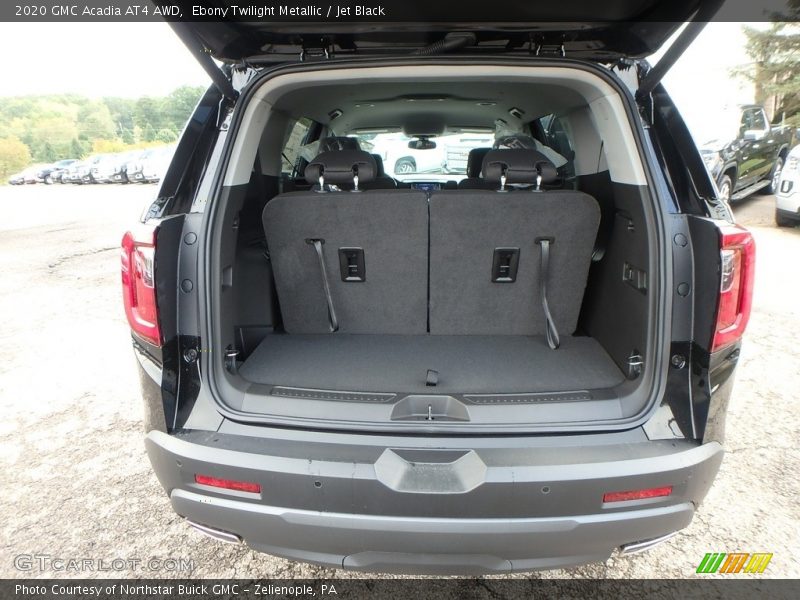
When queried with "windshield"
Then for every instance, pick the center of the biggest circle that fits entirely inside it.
(447, 161)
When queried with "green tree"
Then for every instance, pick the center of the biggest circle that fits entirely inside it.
(59, 126)
(775, 70)
(166, 136)
(121, 110)
(149, 111)
(49, 137)
(48, 153)
(77, 149)
(180, 104)
(94, 121)
(149, 133)
(14, 156)
(127, 136)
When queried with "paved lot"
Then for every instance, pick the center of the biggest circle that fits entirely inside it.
(76, 482)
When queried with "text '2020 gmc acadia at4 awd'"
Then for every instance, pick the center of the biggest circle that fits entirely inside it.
(523, 366)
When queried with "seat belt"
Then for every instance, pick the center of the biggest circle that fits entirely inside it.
(551, 333)
(334, 323)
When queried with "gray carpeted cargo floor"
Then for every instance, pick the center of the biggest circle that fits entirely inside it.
(399, 363)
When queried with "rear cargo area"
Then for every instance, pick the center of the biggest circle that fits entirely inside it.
(519, 293)
(402, 363)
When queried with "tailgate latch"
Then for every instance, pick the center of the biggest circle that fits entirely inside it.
(542, 49)
(321, 50)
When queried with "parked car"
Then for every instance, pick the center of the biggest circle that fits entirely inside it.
(113, 168)
(31, 174)
(17, 178)
(134, 168)
(89, 171)
(744, 154)
(104, 169)
(787, 199)
(74, 173)
(399, 159)
(156, 163)
(381, 380)
(81, 172)
(53, 173)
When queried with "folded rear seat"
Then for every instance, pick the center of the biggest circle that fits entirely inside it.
(501, 259)
(346, 260)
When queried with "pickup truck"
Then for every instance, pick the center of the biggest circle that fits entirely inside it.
(747, 154)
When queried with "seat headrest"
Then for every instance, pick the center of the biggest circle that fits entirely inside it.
(332, 143)
(519, 166)
(340, 166)
(381, 172)
(475, 161)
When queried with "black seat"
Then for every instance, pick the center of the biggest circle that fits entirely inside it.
(337, 142)
(382, 180)
(474, 166)
(511, 259)
(347, 258)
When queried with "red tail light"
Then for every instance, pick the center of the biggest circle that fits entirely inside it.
(738, 261)
(138, 284)
(228, 484)
(658, 492)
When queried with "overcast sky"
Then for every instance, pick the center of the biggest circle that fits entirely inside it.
(134, 59)
(95, 59)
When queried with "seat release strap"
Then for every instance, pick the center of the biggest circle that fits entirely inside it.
(334, 323)
(551, 333)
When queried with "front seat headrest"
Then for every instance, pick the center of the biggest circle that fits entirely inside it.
(381, 171)
(332, 143)
(341, 166)
(519, 166)
(475, 161)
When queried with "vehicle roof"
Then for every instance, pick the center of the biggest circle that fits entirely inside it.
(444, 107)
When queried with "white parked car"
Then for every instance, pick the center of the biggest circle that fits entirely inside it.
(448, 157)
(156, 164)
(19, 178)
(399, 159)
(787, 200)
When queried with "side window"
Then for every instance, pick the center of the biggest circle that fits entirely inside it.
(759, 122)
(291, 146)
(747, 120)
(555, 133)
(556, 136)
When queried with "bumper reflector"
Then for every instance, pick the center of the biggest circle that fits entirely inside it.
(637, 494)
(228, 484)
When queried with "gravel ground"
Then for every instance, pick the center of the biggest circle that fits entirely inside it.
(77, 484)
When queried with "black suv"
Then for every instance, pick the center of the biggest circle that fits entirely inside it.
(526, 366)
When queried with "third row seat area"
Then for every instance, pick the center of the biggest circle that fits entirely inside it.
(468, 291)
(463, 262)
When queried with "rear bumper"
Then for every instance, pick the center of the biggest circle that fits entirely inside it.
(431, 546)
(400, 517)
(788, 214)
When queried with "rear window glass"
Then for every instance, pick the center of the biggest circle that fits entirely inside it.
(448, 160)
